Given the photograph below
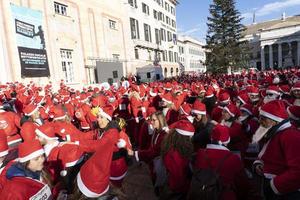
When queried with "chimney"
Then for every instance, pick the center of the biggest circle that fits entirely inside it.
(283, 17)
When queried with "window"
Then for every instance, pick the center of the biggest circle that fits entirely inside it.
(155, 14)
(115, 74)
(175, 57)
(112, 24)
(173, 23)
(167, 20)
(172, 10)
(60, 9)
(169, 36)
(67, 64)
(175, 39)
(136, 53)
(148, 75)
(134, 25)
(145, 8)
(116, 56)
(170, 56)
(133, 3)
(157, 36)
(147, 31)
(163, 34)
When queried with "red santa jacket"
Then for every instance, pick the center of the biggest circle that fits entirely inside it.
(232, 172)
(281, 159)
(238, 138)
(216, 114)
(177, 169)
(9, 122)
(153, 151)
(145, 135)
(171, 115)
(20, 188)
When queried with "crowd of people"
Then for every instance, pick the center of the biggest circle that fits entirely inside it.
(202, 136)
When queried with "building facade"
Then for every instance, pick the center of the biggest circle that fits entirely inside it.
(76, 36)
(275, 44)
(191, 55)
(153, 34)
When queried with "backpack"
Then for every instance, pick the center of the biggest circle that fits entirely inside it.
(206, 183)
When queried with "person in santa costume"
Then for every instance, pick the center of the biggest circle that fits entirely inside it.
(272, 93)
(10, 124)
(168, 108)
(238, 138)
(223, 100)
(27, 180)
(202, 124)
(228, 165)
(177, 150)
(296, 93)
(63, 159)
(279, 161)
(152, 154)
(294, 114)
(94, 176)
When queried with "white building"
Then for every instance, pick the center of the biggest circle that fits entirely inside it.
(76, 34)
(153, 35)
(191, 54)
(275, 44)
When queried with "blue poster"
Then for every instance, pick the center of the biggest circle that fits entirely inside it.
(30, 41)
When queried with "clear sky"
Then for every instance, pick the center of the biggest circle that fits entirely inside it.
(192, 14)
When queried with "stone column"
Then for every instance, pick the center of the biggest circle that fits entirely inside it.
(279, 55)
(298, 53)
(262, 57)
(271, 56)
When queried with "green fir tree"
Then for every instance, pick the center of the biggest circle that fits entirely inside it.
(224, 44)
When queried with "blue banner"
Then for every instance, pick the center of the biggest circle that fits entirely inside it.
(30, 41)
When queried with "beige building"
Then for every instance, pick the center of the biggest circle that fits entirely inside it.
(77, 34)
(275, 44)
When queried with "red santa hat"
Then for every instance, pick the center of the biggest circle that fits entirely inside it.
(248, 108)
(167, 98)
(274, 110)
(296, 86)
(273, 90)
(70, 155)
(199, 108)
(3, 144)
(106, 112)
(252, 90)
(46, 131)
(186, 108)
(29, 150)
(244, 98)
(294, 112)
(220, 134)
(184, 127)
(28, 131)
(209, 92)
(168, 86)
(233, 110)
(93, 177)
(57, 113)
(224, 97)
(30, 109)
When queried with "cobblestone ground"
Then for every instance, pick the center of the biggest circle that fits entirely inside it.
(138, 185)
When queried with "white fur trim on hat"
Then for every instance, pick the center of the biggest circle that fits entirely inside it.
(241, 99)
(14, 141)
(3, 153)
(86, 191)
(58, 118)
(31, 156)
(270, 116)
(246, 110)
(209, 96)
(31, 113)
(199, 112)
(41, 134)
(183, 111)
(115, 178)
(184, 132)
(272, 92)
(104, 114)
(231, 114)
(165, 100)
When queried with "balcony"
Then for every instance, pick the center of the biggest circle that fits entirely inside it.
(145, 44)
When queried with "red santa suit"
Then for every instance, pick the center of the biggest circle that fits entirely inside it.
(216, 114)
(231, 172)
